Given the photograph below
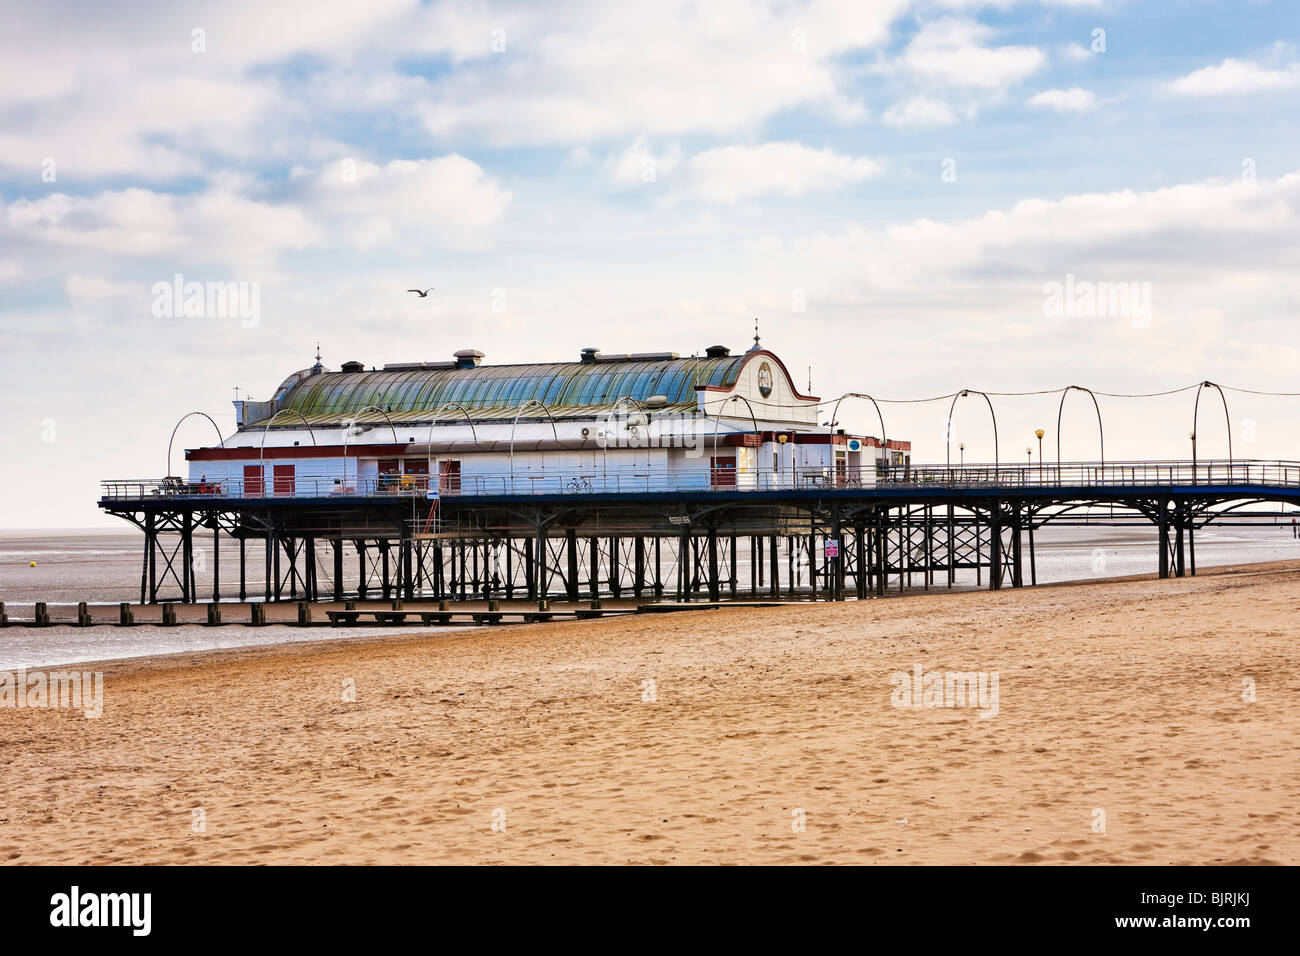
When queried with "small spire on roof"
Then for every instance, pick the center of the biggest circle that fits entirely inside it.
(756, 345)
(317, 367)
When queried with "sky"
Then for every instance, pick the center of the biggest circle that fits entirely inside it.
(911, 198)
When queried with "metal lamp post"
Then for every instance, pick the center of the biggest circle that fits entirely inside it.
(1040, 433)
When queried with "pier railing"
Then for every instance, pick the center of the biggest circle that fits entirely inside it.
(996, 479)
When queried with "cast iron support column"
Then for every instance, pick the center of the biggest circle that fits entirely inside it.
(337, 545)
(571, 580)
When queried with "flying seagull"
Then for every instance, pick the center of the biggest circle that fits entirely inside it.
(423, 294)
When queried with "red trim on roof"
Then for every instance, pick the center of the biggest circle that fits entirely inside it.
(295, 451)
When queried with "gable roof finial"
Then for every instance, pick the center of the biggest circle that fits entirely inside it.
(756, 346)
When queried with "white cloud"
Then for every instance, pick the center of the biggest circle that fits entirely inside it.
(405, 204)
(596, 72)
(1076, 52)
(442, 203)
(639, 165)
(1234, 77)
(1073, 100)
(737, 173)
(920, 111)
(953, 51)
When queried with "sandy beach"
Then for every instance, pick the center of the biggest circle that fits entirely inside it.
(735, 736)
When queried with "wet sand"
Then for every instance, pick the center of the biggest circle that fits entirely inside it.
(770, 738)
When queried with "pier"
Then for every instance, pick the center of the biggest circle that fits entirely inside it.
(815, 535)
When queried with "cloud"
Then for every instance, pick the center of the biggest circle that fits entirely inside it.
(737, 173)
(606, 71)
(448, 202)
(1235, 77)
(953, 52)
(1073, 100)
(920, 111)
(443, 203)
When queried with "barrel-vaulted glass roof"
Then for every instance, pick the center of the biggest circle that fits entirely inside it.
(566, 388)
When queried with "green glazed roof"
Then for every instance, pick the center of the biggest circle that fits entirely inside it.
(566, 388)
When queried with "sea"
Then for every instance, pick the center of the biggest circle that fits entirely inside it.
(103, 567)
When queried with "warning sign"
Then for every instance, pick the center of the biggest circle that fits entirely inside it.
(832, 548)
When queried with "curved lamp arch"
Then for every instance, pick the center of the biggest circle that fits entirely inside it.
(221, 442)
(463, 410)
(261, 450)
(1196, 408)
(752, 417)
(604, 446)
(884, 439)
(347, 434)
(1100, 428)
(948, 436)
(554, 431)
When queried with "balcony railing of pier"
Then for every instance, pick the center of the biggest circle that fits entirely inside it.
(1000, 479)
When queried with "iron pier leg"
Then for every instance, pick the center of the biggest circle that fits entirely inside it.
(187, 556)
(510, 568)
(715, 590)
(659, 581)
(530, 570)
(408, 582)
(773, 566)
(272, 562)
(1017, 564)
(363, 576)
(216, 558)
(995, 547)
(1033, 568)
(243, 569)
(615, 571)
(860, 559)
(543, 566)
(337, 545)
(571, 546)
(638, 566)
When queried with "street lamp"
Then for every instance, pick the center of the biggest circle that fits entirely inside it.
(1040, 433)
(830, 449)
(1192, 436)
(961, 446)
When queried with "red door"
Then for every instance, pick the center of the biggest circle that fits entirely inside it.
(284, 480)
(722, 471)
(449, 475)
(252, 481)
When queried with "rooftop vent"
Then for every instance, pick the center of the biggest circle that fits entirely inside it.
(352, 367)
(589, 355)
(468, 358)
(717, 351)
